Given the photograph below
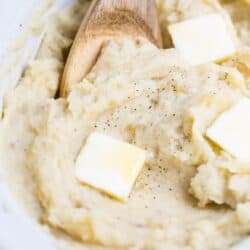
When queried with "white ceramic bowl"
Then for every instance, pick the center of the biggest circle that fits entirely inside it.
(17, 231)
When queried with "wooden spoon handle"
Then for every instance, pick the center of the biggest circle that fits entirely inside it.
(105, 20)
(142, 12)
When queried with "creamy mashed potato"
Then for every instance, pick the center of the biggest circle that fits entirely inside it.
(190, 195)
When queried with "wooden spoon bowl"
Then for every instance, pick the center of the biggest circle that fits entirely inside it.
(106, 20)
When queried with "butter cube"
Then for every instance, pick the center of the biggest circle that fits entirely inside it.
(203, 39)
(231, 130)
(109, 165)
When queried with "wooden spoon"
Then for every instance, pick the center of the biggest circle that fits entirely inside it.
(106, 20)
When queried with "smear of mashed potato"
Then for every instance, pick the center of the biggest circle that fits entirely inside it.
(190, 195)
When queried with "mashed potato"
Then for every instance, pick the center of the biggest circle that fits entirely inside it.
(190, 195)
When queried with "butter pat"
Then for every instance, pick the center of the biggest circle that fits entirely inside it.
(231, 131)
(203, 39)
(109, 165)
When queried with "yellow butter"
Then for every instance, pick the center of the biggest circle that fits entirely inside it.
(203, 39)
(109, 165)
(231, 130)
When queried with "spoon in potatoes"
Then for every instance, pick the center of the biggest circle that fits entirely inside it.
(108, 20)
